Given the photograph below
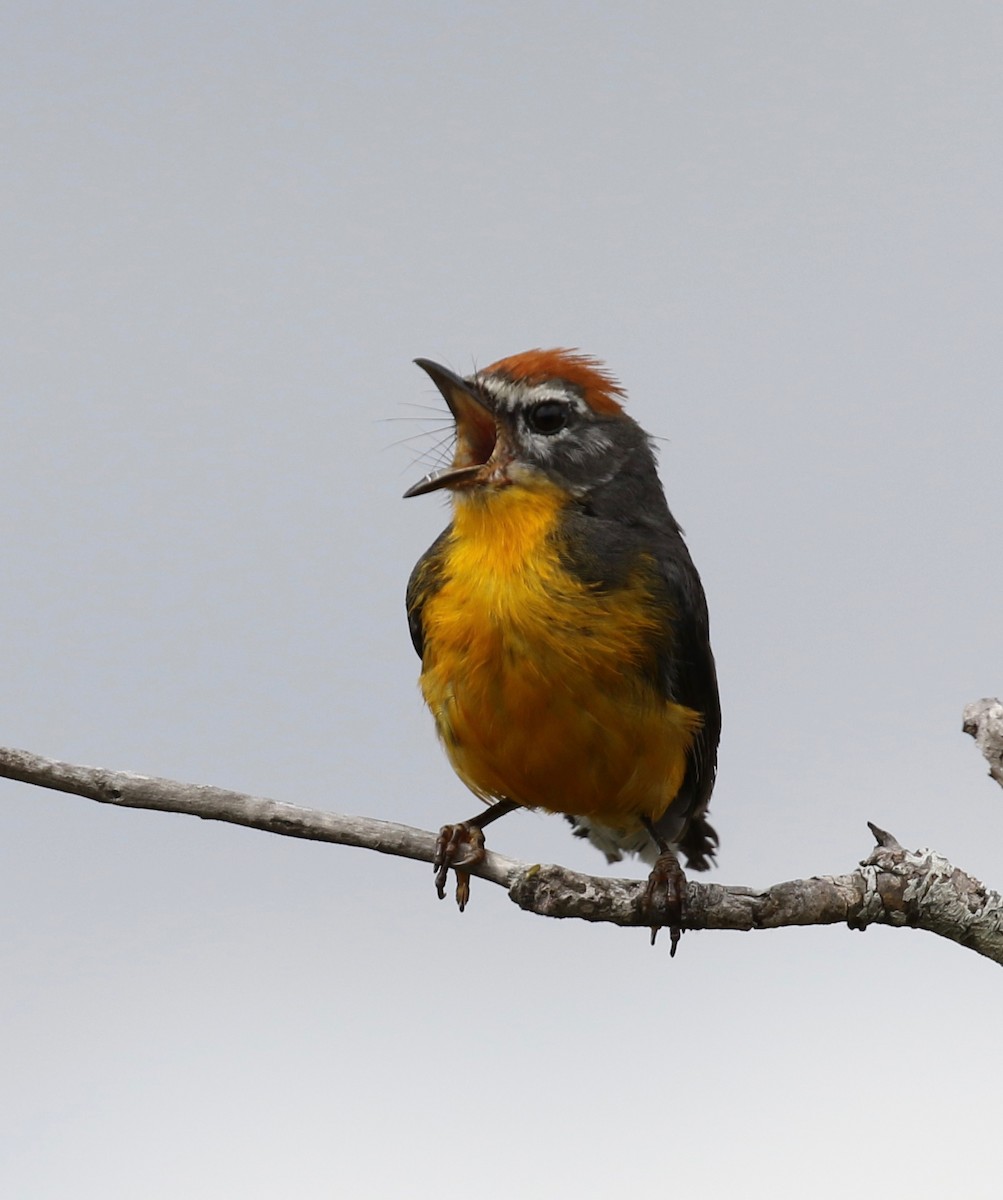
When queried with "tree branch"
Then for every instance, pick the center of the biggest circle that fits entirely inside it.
(893, 886)
(984, 721)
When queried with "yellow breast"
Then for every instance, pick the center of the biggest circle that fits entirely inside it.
(540, 684)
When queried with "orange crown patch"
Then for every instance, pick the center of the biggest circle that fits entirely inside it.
(598, 386)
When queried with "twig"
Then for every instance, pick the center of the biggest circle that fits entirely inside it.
(984, 721)
(892, 887)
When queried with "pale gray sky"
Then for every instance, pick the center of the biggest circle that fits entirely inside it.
(229, 229)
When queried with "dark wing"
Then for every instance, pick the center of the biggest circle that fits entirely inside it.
(426, 578)
(689, 677)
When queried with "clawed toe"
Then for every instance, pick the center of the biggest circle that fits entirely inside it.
(664, 898)
(460, 847)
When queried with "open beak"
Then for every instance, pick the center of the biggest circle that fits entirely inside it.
(475, 432)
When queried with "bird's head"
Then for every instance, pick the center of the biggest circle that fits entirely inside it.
(551, 416)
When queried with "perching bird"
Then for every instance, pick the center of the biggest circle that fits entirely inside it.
(562, 625)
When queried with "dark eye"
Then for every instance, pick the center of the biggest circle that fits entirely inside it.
(549, 416)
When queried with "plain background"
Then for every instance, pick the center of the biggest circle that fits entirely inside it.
(228, 230)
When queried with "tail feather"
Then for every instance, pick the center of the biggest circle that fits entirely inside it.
(698, 844)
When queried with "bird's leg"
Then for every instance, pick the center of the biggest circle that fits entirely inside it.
(461, 847)
(666, 890)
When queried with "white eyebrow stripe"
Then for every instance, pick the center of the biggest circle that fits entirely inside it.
(508, 394)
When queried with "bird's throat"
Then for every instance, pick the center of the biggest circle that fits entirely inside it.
(503, 532)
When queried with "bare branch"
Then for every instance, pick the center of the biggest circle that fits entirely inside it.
(892, 887)
(126, 790)
(984, 721)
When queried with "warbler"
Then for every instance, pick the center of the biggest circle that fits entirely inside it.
(561, 624)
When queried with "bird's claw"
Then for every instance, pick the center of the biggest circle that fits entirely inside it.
(665, 898)
(460, 847)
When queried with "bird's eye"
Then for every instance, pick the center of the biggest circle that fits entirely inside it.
(547, 417)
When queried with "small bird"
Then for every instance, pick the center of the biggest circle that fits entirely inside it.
(562, 626)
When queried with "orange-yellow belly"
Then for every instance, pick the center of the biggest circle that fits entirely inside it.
(537, 681)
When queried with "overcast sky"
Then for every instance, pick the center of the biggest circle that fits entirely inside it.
(229, 228)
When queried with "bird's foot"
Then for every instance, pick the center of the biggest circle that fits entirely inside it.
(664, 898)
(460, 847)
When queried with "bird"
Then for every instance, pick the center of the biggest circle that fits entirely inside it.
(562, 626)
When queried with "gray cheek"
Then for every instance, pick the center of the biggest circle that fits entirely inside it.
(588, 463)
